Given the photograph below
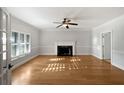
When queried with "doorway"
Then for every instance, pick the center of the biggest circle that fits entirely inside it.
(106, 46)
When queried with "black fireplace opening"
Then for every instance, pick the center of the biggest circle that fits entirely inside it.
(64, 50)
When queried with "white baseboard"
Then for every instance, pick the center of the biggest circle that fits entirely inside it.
(96, 56)
(47, 54)
(23, 62)
(82, 54)
(120, 67)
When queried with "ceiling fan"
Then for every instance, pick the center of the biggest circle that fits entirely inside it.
(66, 22)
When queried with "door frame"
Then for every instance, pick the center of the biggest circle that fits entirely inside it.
(8, 44)
(102, 45)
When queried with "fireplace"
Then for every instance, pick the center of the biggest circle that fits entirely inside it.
(64, 50)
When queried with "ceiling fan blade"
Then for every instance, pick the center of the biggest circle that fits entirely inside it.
(57, 22)
(59, 26)
(72, 23)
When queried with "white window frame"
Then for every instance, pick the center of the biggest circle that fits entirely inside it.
(19, 44)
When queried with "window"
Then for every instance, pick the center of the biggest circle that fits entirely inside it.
(4, 45)
(4, 41)
(20, 44)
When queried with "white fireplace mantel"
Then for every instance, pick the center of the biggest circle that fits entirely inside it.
(65, 43)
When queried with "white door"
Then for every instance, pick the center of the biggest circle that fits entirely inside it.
(5, 64)
(107, 45)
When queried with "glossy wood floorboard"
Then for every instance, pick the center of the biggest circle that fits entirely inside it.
(62, 70)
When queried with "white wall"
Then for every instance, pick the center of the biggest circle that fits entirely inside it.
(18, 25)
(117, 28)
(48, 38)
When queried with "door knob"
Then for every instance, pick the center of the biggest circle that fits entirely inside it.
(10, 66)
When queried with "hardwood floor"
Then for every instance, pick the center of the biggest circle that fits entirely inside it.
(62, 70)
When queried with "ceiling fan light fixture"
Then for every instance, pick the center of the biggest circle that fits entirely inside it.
(67, 27)
(64, 25)
(66, 22)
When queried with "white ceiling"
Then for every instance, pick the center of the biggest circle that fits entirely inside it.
(86, 17)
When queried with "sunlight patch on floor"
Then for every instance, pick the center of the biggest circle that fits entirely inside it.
(56, 59)
(56, 67)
